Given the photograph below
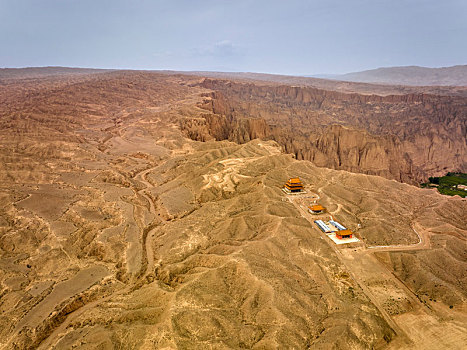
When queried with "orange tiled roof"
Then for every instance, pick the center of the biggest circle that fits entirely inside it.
(294, 180)
(317, 207)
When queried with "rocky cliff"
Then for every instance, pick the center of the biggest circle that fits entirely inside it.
(404, 137)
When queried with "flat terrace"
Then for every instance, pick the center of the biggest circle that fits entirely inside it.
(332, 228)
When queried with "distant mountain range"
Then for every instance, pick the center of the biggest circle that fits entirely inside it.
(409, 75)
(40, 72)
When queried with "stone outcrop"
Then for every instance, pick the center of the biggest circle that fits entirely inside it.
(404, 137)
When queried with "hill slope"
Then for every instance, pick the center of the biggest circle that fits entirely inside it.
(405, 137)
(411, 75)
(117, 231)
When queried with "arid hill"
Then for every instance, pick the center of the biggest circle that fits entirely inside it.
(119, 231)
(403, 137)
(411, 75)
(333, 84)
(42, 72)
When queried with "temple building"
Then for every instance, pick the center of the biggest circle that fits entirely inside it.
(316, 209)
(344, 234)
(294, 185)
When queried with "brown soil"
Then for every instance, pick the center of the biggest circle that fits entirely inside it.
(117, 231)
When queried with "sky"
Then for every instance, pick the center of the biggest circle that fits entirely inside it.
(296, 37)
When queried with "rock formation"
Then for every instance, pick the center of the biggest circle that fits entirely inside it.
(118, 231)
(404, 137)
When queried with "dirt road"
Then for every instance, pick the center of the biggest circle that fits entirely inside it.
(415, 323)
(402, 336)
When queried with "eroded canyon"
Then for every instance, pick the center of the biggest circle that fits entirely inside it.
(406, 137)
(145, 210)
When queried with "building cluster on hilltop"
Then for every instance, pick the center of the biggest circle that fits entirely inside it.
(295, 186)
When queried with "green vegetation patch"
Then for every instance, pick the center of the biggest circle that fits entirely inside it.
(451, 184)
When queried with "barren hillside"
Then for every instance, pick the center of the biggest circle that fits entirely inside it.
(411, 75)
(402, 137)
(119, 231)
(42, 72)
(347, 86)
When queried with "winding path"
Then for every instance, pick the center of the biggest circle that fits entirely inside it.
(357, 261)
(423, 238)
(356, 278)
(423, 243)
(56, 335)
(148, 240)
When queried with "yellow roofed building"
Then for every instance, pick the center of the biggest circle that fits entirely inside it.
(294, 185)
(316, 209)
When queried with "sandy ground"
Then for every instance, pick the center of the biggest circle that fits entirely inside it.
(418, 326)
(126, 234)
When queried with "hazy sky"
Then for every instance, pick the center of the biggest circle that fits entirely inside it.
(288, 36)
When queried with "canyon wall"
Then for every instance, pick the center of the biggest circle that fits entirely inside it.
(405, 137)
